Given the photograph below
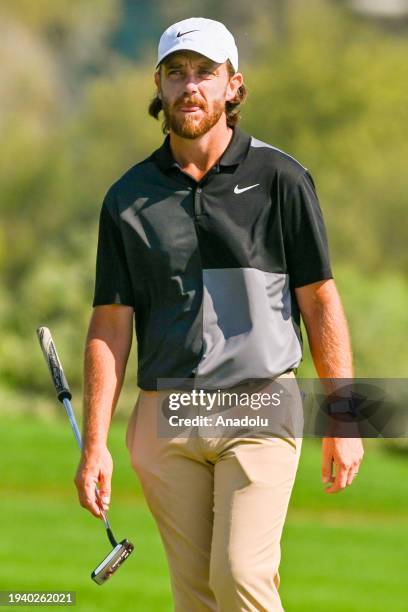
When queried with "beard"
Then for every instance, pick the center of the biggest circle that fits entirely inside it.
(189, 126)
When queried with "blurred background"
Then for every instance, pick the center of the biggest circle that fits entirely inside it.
(327, 84)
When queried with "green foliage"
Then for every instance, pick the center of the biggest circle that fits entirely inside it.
(376, 308)
(325, 87)
(334, 98)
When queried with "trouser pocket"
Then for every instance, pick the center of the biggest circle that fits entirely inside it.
(130, 430)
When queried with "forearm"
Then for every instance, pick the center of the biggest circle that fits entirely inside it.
(106, 353)
(330, 346)
(328, 336)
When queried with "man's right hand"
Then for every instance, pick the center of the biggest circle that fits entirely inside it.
(94, 468)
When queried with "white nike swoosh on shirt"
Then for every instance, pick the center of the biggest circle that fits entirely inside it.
(238, 190)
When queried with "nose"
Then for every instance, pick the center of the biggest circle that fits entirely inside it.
(190, 83)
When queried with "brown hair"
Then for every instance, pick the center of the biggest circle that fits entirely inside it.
(232, 108)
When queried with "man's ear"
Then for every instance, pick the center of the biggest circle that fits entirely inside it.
(234, 84)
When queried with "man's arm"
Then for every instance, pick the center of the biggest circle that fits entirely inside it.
(107, 350)
(330, 346)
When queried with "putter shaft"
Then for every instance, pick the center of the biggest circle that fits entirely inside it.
(72, 420)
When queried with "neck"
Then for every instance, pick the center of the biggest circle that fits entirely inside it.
(196, 156)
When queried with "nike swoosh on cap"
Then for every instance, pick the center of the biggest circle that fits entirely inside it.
(238, 190)
(180, 34)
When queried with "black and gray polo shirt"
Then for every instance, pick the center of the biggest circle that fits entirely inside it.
(210, 267)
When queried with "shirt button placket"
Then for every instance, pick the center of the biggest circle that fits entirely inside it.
(198, 210)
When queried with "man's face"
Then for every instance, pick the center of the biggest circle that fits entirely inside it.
(193, 91)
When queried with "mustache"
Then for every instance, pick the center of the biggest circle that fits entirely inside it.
(184, 101)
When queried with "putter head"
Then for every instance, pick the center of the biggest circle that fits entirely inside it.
(111, 563)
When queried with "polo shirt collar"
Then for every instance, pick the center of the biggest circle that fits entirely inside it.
(237, 149)
(234, 154)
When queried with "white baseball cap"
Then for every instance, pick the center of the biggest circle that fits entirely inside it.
(206, 36)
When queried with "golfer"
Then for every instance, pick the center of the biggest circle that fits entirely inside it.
(216, 246)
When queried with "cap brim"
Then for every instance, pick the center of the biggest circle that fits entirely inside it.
(209, 53)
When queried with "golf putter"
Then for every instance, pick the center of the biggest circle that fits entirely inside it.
(121, 550)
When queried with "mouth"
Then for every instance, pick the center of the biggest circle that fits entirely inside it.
(190, 109)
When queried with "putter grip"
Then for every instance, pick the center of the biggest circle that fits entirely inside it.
(54, 364)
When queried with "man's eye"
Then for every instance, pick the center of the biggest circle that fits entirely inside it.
(206, 71)
(174, 71)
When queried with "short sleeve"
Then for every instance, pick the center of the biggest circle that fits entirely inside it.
(305, 236)
(112, 279)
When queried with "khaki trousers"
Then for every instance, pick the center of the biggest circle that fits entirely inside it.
(220, 506)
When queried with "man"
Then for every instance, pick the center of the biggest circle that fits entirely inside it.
(216, 244)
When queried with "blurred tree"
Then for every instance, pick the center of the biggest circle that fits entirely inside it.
(325, 87)
(325, 101)
(141, 23)
(74, 35)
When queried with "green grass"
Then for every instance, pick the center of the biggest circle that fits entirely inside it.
(50, 543)
(347, 551)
